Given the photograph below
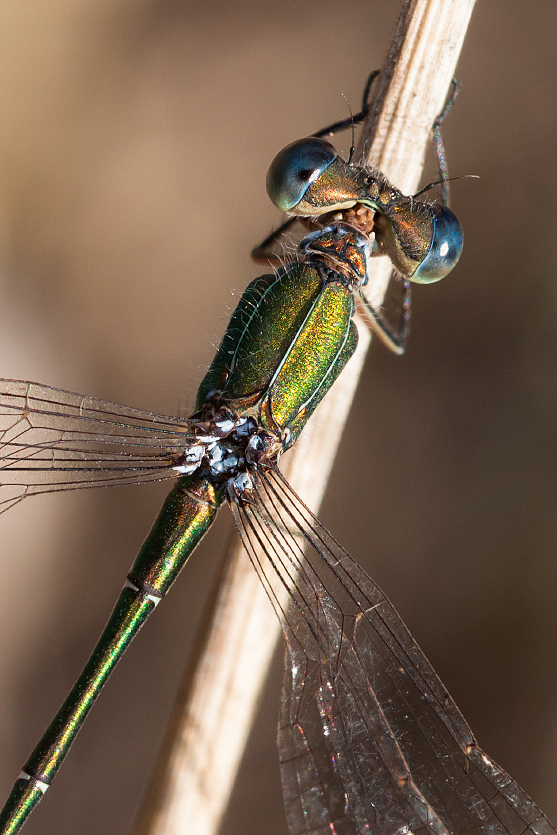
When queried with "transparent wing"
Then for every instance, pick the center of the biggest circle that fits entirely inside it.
(52, 439)
(369, 739)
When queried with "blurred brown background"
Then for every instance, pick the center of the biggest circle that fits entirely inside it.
(134, 140)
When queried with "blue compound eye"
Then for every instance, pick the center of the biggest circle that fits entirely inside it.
(445, 249)
(295, 168)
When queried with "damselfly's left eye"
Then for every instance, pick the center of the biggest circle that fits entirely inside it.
(445, 249)
(294, 169)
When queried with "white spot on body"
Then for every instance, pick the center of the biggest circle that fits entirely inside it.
(193, 456)
(42, 786)
(215, 454)
(242, 483)
(225, 425)
(185, 470)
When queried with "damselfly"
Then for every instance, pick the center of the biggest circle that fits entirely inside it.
(369, 738)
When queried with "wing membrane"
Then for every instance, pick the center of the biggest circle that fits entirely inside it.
(52, 439)
(369, 739)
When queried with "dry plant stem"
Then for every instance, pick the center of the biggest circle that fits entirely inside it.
(212, 717)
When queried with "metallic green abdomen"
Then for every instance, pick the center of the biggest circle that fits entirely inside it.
(288, 340)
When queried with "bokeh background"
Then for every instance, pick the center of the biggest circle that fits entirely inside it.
(134, 140)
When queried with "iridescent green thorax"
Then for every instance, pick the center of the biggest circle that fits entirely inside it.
(289, 338)
(313, 362)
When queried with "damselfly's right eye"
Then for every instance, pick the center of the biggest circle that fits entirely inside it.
(445, 249)
(295, 168)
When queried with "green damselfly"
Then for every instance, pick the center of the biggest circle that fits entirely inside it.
(369, 738)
